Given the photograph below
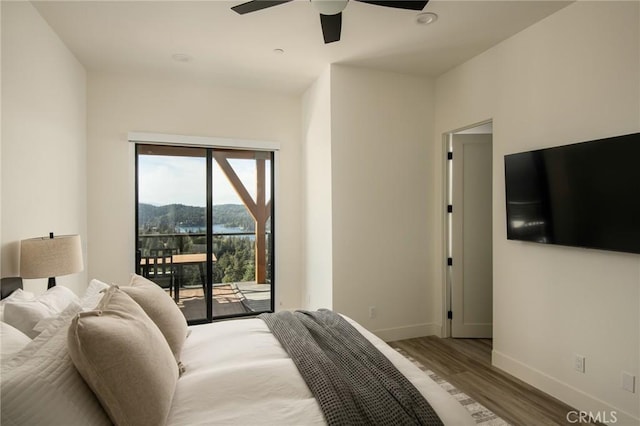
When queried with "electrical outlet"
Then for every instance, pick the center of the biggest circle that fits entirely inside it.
(578, 363)
(628, 382)
(372, 312)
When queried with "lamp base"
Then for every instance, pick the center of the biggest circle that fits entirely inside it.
(51, 283)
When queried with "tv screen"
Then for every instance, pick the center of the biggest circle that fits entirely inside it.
(584, 195)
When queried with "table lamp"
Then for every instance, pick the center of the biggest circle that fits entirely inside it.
(50, 257)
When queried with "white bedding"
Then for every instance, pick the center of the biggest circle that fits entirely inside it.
(238, 373)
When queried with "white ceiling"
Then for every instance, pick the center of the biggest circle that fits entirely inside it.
(141, 37)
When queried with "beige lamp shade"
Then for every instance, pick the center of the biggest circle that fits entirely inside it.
(50, 257)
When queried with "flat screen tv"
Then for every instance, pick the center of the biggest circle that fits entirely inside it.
(585, 194)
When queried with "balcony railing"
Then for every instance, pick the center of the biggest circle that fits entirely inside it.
(234, 287)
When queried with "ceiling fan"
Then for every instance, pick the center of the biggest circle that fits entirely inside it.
(330, 11)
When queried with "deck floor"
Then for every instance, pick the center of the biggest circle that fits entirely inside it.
(228, 299)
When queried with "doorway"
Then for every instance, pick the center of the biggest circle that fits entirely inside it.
(469, 272)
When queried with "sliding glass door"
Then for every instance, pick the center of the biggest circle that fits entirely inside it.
(204, 228)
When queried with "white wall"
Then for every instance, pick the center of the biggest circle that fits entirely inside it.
(574, 76)
(571, 77)
(118, 104)
(317, 209)
(381, 156)
(43, 139)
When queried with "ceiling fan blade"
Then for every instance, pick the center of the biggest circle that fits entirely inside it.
(255, 5)
(407, 4)
(331, 27)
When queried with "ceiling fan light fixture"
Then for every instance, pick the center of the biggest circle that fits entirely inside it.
(426, 18)
(329, 7)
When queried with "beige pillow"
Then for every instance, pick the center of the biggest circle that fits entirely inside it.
(161, 309)
(125, 360)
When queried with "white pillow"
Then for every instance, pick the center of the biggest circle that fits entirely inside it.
(93, 294)
(25, 314)
(40, 384)
(44, 323)
(19, 294)
(89, 301)
(12, 340)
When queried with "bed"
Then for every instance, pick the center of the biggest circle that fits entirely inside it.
(233, 372)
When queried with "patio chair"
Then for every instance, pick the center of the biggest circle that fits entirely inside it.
(158, 267)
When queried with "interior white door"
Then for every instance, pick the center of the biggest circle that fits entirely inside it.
(472, 267)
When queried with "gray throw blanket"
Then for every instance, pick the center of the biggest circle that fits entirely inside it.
(354, 383)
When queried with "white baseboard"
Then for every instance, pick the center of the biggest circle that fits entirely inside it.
(568, 394)
(408, 332)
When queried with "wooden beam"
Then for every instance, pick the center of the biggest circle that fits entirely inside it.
(261, 222)
(173, 151)
(237, 184)
(259, 209)
(237, 154)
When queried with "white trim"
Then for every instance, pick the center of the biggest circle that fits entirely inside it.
(408, 332)
(446, 286)
(201, 141)
(447, 328)
(558, 389)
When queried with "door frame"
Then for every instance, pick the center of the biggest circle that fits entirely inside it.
(447, 222)
(271, 155)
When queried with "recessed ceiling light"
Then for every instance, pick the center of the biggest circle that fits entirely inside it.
(426, 18)
(181, 57)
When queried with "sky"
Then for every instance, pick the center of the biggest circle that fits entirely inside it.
(182, 180)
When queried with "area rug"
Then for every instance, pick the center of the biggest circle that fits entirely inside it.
(481, 414)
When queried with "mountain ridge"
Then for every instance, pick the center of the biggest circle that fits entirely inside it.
(170, 217)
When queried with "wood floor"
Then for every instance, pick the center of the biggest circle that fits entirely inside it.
(466, 364)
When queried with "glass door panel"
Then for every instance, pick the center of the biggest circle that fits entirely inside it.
(171, 231)
(242, 210)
